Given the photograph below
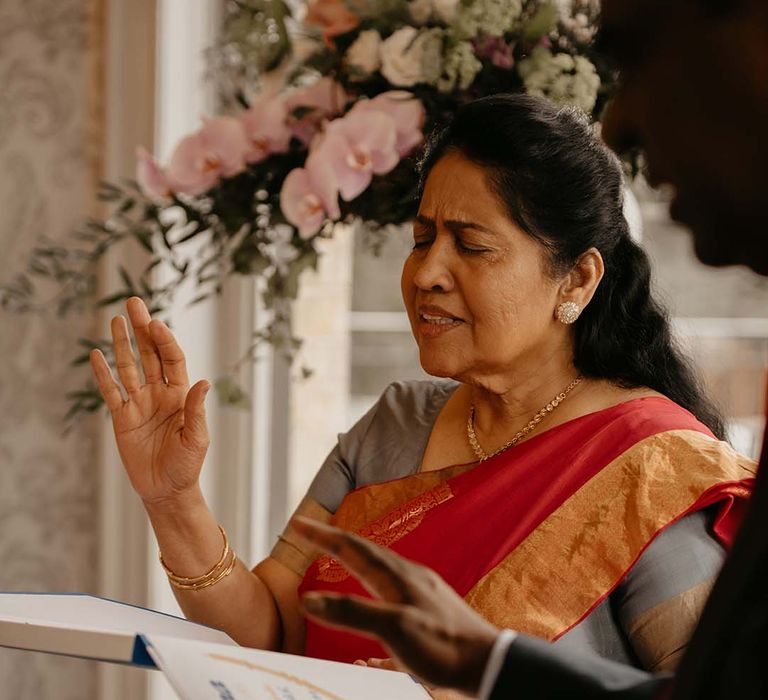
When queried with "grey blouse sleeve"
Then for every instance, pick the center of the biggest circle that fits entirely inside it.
(336, 476)
(660, 600)
(388, 442)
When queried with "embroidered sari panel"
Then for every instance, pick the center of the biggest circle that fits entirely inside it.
(539, 535)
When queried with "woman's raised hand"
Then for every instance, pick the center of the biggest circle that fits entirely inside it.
(160, 423)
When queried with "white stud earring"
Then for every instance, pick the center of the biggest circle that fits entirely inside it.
(567, 312)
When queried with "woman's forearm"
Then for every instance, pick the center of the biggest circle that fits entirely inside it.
(240, 604)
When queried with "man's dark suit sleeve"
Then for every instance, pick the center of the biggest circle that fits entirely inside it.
(536, 669)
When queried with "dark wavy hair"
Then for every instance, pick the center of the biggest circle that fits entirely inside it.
(562, 186)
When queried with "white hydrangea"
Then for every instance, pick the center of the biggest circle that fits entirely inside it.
(579, 19)
(564, 79)
(364, 55)
(411, 56)
(460, 66)
(491, 17)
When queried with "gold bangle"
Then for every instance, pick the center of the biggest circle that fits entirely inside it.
(174, 577)
(205, 584)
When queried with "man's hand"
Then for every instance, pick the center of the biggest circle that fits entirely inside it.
(426, 626)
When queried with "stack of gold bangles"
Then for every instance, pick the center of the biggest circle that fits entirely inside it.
(222, 569)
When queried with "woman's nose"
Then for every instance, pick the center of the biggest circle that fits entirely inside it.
(433, 269)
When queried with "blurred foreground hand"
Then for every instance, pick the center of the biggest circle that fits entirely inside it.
(429, 630)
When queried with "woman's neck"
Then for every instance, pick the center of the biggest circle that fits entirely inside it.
(501, 407)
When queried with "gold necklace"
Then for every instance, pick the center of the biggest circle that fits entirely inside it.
(482, 455)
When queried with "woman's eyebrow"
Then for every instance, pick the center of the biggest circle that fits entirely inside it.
(456, 226)
(425, 221)
(453, 225)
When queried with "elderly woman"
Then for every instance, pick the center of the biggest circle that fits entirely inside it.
(565, 475)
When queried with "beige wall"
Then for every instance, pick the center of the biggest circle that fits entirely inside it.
(50, 146)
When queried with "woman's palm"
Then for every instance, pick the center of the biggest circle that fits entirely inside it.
(160, 427)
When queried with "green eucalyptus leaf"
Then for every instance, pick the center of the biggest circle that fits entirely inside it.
(114, 298)
(230, 393)
(542, 23)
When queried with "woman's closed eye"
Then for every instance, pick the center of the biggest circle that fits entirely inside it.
(469, 248)
(424, 242)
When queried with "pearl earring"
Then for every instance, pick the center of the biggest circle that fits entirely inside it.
(567, 312)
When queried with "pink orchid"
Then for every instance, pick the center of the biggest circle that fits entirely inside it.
(266, 127)
(332, 16)
(358, 146)
(310, 196)
(406, 111)
(150, 175)
(215, 151)
(322, 100)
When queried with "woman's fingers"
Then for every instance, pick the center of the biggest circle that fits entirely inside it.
(109, 388)
(379, 570)
(150, 357)
(171, 355)
(195, 425)
(125, 362)
(384, 664)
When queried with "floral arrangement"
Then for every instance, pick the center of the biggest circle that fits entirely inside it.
(323, 113)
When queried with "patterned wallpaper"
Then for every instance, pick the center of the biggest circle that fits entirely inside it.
(50, 89)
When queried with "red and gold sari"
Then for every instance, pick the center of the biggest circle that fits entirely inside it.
(536, 537)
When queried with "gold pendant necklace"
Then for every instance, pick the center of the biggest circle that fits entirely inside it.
(482, 455)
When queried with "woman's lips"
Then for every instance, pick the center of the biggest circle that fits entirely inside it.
(432, 325)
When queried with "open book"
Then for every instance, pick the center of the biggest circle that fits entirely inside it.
(205, 671)
(201, 663)
(76, 624)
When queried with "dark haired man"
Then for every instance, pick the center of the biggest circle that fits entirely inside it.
(694, 96)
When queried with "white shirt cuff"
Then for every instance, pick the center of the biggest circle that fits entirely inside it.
(495, 662)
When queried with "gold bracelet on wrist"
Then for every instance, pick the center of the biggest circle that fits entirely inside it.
(220, 570)
(205, 584)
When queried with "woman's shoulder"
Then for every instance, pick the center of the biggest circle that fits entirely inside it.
(404, 414)
(414, 399)
(642, 408)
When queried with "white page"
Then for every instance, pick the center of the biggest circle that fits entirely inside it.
(205, 671)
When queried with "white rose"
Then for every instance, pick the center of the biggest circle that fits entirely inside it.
(420, 10)
(409, 57)
(363, 55)
(446, 10)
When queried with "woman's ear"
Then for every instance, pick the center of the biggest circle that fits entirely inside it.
(580, 284)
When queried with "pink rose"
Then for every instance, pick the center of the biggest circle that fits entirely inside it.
(266, 127)
(406, 111)
(332, 16)
(201, 159)
(150, 175)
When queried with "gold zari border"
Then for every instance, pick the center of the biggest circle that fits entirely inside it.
(580, 551)
(389, 528)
